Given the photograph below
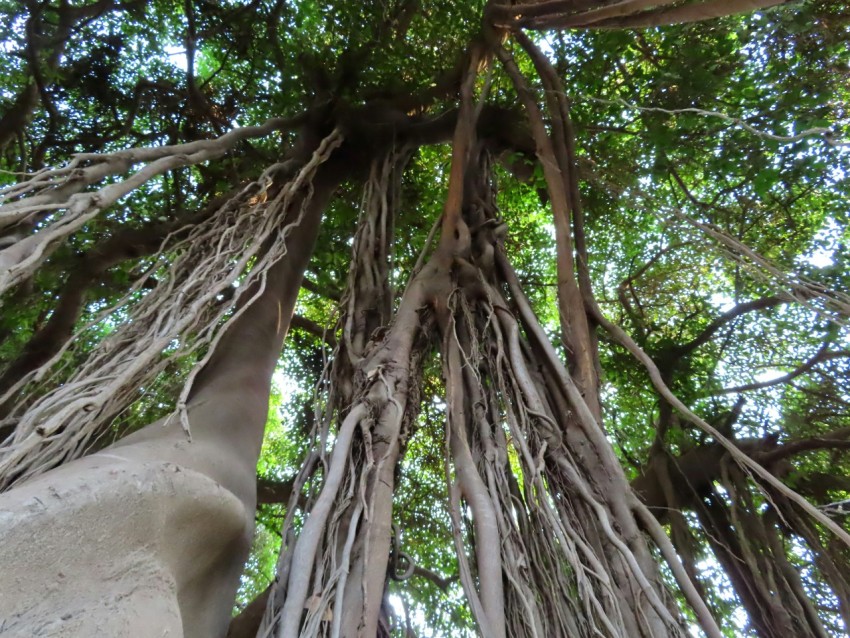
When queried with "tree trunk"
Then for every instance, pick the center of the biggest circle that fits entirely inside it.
(522, 553)
(158, 526)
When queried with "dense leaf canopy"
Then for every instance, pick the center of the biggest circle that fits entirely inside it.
(714, 169)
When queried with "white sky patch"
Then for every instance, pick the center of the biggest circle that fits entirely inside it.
(722, 302)
(177, 56)
(544, 46)
(770, 374)
(829, 234)
(416, 616)
(283, 382)
(821, 258)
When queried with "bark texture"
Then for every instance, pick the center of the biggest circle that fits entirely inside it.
(162, 522)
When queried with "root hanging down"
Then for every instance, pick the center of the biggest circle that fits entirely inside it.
(557, 152)
(56, 195)
(187, 310)
(543, 523)
(539, 487)
(833, 305)
(336, 568)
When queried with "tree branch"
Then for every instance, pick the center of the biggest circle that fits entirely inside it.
(686, 14)
(741, 458)
(635, 14)
(722, 320)
(440, 581)
(269, 492)
(318, 290)
(308, 325)
(837, 439)
(820, 355)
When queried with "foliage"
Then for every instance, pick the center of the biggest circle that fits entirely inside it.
(709, 122)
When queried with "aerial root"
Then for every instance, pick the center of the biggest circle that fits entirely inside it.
(548, 549)
(46, 192)
(372, 388)
(181, 315)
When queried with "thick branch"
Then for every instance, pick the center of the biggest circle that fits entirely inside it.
(247, 623)
(837, 439)
(694, 471)
(688, 13)
(587, 14)
(521, 14)
(710, 330)
(308, 325)
(269, 491)
(620, 9)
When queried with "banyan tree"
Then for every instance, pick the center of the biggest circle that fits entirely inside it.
(413, 319)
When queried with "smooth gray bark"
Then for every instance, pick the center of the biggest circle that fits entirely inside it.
(148, 537)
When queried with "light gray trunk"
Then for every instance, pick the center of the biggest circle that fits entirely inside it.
(148, 537)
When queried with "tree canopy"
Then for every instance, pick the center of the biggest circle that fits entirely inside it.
(699, 153)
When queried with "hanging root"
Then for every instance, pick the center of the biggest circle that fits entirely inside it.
(46, 193)
(183, 313)
(750, 465)
(557, 533)
(549, 504)
(558, 417)
(336, 568)
(552, 546)
(833, 305)
(557, 154)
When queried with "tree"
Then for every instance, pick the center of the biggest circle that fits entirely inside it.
(568, 347)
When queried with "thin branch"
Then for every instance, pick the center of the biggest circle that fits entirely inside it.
(726, 317)
(833, 304)
(820, 355)
(308, 325)
(313, 287)
(443, 582)
(62, 192)
(817, 131)
(742, 459)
